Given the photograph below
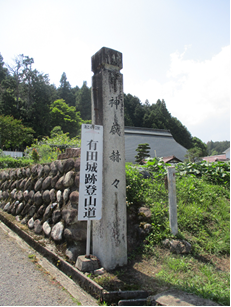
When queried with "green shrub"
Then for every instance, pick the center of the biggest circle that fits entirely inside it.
(134, 185)
(48, 149)
(214, 172)
(35, 155)
(10, 162)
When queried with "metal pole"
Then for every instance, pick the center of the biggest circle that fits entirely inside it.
(88, 238)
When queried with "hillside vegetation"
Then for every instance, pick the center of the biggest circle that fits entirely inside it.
(202, 197)
(203, 220)
(31, 107)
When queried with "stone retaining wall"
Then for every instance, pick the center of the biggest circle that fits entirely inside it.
(45, 197)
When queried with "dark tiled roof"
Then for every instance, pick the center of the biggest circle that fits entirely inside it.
(161, 142)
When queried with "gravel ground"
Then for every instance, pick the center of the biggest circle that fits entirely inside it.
(22, 283)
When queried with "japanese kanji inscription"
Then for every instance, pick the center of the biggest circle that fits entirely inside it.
(90, 188)
(109, 233)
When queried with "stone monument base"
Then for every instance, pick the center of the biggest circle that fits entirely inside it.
(87, 263)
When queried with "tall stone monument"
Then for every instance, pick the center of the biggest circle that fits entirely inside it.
(110, 233)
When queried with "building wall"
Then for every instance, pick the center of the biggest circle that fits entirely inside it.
(14, 154)
(227, 152)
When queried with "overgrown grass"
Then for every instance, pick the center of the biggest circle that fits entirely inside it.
(203, 215)
(187, 274)
(203, 212)
(203, 209)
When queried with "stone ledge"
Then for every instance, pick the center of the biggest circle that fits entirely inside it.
(116, 296)
(179, 298)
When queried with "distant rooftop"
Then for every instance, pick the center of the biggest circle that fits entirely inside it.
(171, 159)
(215, 158)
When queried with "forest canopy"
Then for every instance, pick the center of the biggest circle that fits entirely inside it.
(27, 96)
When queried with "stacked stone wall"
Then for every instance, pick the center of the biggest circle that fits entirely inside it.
(45, 198)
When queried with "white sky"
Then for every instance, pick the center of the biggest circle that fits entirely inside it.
(176, 50)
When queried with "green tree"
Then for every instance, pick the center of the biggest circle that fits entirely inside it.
(157, 116)
(3, 70)
(180, 133)
(21, 73)
(133, 111)
(9, 103)
(26, 95)
(217, 148)
(65, 92)
(196, 142)
(83, 102)
(56, 131)
(39, 110)
(66, 117)
(143, 152)
(13, 133)
(193, 154)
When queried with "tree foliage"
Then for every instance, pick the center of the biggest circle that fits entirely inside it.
(217, 148)
(13, 133)
(3, 70)
(27, 95)
(66, 117)
(142, 152)
(155, 116)
(65, 91)
(193, 154)
(83, 101)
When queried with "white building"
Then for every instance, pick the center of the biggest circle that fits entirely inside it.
(227, 153)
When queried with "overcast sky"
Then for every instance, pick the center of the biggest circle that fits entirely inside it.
(176, 50)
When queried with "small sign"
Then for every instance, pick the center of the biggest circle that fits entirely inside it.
(90, 184)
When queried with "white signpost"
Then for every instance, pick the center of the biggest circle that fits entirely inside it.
(90, 184)
(172, 199)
